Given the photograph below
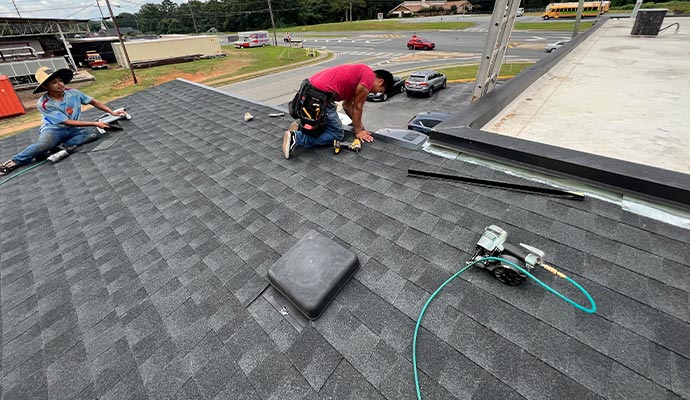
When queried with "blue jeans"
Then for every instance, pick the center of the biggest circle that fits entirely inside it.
(333, 131)
(51, 136)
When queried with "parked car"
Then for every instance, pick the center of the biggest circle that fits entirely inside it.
(426, 120)
(553, 46)
(416, 43)
(94, 60)
(425, 82)
(520, 12)
(398, 87)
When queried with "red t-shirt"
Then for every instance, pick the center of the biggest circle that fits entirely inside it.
(343, 80)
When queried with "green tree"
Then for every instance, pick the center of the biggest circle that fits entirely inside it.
(127, 20)
(168, 7)
(149, 17)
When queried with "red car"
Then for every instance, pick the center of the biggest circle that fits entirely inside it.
(416, 43)
(94, 60)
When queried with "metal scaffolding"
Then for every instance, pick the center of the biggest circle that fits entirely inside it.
(15, 27)
(21, 72)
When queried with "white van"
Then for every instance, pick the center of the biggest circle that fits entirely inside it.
(520, 12)
(252, 39)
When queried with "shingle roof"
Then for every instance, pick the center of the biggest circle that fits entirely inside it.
(137, 272)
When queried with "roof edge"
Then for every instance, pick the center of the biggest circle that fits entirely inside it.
(651, 183)
(279, 109)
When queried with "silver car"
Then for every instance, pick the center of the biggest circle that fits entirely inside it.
(425, 82)
(553, 46)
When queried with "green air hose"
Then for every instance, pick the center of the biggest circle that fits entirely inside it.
(591, 309)
(25, 170)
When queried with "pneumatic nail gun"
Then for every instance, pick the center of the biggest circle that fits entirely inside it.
(493, 244)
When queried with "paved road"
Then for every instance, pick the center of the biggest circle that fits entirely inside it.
(523, 44)
(387, 50)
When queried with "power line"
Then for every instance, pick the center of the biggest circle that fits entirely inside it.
(77, 12)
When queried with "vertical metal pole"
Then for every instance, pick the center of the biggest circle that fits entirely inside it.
(638, 4)
(273, 24)
(98, 3)
(122, 42)
(578, 17)
(67, 46)
(601, 8)
(193, 19)
(15, 7)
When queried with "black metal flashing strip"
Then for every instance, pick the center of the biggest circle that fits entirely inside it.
(498, 184)
(644, 181)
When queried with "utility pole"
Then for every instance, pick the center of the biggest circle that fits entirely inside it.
(350, 10)
(122, 42)
(193, 19)
(273, 23)
(578, 17)
(15, 7)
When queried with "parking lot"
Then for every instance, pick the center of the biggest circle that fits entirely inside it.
(398, 109)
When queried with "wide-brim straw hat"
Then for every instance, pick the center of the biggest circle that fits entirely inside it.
(45, 74)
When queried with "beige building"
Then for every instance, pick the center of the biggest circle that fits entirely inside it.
(167, 48)
(410, 8)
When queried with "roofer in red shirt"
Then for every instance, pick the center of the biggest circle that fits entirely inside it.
(350, 83)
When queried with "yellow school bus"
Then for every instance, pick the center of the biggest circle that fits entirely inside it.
(569, 10)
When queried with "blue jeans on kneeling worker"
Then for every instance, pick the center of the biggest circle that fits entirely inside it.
(49, 137)
(333, 131)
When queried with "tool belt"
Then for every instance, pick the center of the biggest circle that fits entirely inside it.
(308, 107)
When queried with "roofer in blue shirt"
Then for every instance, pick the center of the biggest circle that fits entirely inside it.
(60, 110)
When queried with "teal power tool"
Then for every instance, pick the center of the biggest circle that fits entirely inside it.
(510, 264)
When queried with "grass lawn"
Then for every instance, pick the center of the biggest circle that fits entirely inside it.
(385, 25)
(553, 25)
(673, 7)
(469, 72)
(238, 64)
(465, 72)
(114, 83)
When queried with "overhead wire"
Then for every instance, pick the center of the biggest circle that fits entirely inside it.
(77, 12)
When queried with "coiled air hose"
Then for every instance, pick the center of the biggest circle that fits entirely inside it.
(591, 309)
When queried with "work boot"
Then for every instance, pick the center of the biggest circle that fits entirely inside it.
(7, 167)
(289, 141)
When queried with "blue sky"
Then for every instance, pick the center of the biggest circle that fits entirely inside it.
(78, 9)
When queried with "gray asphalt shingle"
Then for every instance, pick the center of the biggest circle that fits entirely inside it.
(138, 272)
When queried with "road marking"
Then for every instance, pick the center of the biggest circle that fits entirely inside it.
(528, 46)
